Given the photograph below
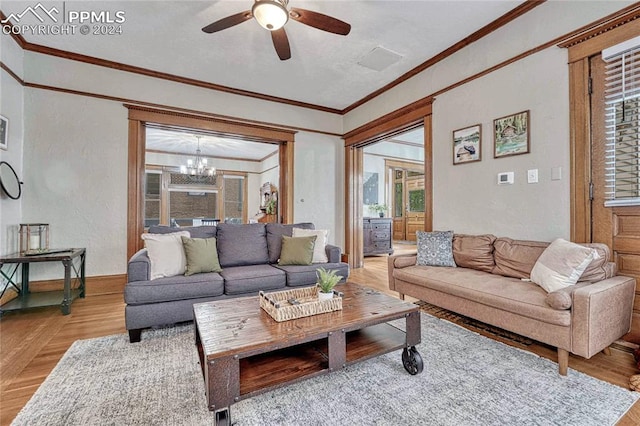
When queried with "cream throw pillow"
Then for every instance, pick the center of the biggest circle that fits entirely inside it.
(561, 264)
(166, 253)
(319, 252)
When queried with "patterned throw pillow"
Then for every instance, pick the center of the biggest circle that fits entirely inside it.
(435, 248)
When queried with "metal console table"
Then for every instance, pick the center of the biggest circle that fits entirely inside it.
(72, 259)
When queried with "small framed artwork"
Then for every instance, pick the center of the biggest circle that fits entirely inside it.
(467, 144)
(511, 135)
(4, 132)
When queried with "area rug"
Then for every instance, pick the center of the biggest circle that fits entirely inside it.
(468, 379)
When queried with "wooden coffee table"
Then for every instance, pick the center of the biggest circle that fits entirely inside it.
(244, 352)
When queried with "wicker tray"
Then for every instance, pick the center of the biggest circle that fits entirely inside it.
(282, 306)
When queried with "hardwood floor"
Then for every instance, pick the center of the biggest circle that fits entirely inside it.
(32, 343)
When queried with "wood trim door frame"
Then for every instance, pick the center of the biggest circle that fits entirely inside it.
(139, 116)
(407, 118)
(580, 49)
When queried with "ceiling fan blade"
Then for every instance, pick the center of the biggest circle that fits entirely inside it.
(320, 21)
(227, 22)
(281, 43)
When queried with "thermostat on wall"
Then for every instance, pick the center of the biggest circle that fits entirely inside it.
(505, 178)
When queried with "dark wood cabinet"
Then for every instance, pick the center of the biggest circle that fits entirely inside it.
(377, 236)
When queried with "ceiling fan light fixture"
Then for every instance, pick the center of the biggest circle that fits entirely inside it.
(270, 14)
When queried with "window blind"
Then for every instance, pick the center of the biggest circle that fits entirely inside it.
(622, 129)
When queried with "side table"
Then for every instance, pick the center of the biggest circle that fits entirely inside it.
(72, 259)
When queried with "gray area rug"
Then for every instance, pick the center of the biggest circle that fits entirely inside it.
(468, 380)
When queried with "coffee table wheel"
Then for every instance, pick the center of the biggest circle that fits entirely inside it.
(223, 418)
(412, 361)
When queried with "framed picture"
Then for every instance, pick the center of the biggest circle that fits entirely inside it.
(4, 132)
(511, 135)
(467, 144)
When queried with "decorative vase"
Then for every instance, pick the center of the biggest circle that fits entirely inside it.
(381, 214)
(325, 296)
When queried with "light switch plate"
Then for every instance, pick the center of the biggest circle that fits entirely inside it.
(532, 176)
(556, 173)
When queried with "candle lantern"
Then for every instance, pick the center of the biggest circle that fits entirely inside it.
(34, 238)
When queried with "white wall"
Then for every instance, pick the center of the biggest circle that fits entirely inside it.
(319, 183)
(466, 197)
(12, 108)
(75, 154)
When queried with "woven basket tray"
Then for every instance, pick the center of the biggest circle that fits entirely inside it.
(279, 304)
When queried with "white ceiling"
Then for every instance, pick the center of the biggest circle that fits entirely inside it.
(186, 143)
(166, 36)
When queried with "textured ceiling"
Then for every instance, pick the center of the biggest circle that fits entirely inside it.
(166, 36)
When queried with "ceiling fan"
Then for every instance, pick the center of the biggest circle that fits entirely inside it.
(273, 15)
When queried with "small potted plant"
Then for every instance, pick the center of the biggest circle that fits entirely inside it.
(327, 280)
(381, 209)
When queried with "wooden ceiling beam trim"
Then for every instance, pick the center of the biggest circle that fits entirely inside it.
(92, 60)
(414, 111)
(514, 13)
(175, 118)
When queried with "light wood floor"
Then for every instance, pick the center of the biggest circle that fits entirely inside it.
(32, 343)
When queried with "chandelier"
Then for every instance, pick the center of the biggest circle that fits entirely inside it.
(197, 168)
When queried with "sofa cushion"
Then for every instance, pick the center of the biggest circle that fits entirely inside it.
(599, 269)
(562, 299)
(435, 248)
(474, 251)
(561, 264)
(515, 258)
(240, 245)
(275, 231)
(194, 231)
(504, 293)
(252, 278)
(298, 275)
(166, 254)
(319, 250)
(201, 254)
(297, 250)
(169, 289)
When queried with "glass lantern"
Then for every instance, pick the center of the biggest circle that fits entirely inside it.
(34, 238)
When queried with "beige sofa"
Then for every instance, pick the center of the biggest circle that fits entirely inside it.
(490, 284)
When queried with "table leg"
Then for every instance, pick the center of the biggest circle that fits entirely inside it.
(337, 350)
(413, 328)
(66, 301)
(83, 259)
(222, 379)
(24, 291)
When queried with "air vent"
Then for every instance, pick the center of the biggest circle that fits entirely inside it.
(379, 59)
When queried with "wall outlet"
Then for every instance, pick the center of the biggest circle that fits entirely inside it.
(532, 176)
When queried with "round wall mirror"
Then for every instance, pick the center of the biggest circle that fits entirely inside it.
(9, 181)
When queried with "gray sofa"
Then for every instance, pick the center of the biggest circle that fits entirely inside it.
(490, 284)
(248, 256)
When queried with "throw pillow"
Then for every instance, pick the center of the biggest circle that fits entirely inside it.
(435, 248)
(297, 250)
(166, 254)
(201, 254)
(319, 253)
(561, 265)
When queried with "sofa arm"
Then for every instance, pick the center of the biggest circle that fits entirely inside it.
(139, 267)
(601, 314)
(399, 261)
(334, 253)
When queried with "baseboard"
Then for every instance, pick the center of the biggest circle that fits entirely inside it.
(97, 285)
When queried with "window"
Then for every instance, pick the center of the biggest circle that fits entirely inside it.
(234, 198)
(153, 182)
(622, 125)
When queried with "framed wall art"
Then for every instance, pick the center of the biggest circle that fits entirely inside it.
(4, 132)
(467, 144)
(511, 135)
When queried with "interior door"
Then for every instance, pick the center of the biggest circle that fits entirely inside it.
(618, 227)
(399, 226)
(414, 204)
